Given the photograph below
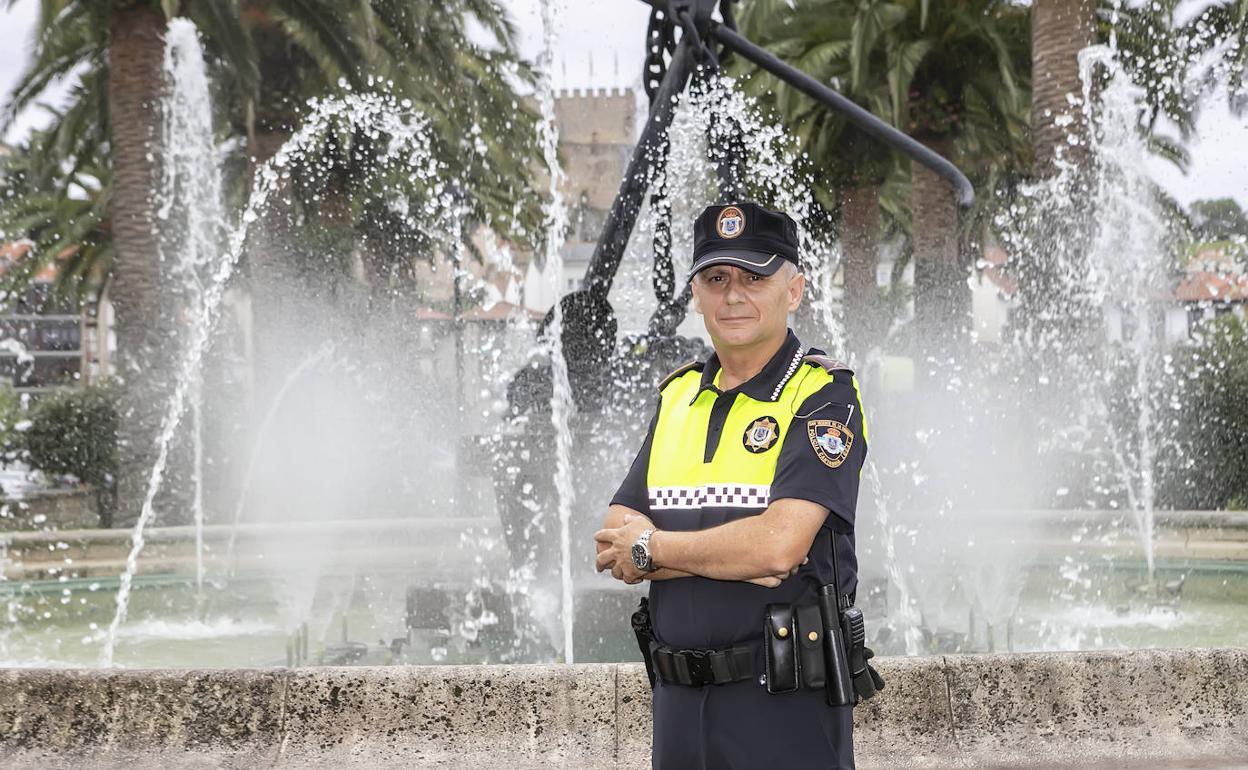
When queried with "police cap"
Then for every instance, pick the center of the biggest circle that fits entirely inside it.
(745, 235)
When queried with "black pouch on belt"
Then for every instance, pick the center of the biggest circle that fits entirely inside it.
(810, 632)
(779, 649)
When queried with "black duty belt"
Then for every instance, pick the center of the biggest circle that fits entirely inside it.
(697, 668)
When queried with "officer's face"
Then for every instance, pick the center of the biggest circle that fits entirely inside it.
(742, 309)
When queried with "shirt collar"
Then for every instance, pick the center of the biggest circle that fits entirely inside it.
(770, 380)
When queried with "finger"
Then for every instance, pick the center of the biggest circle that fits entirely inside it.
(605, 535)
(605, 559)
(617, 571)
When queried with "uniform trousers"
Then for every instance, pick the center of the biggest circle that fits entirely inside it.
(741, 726)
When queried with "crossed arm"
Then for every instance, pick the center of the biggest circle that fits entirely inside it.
(762, 549)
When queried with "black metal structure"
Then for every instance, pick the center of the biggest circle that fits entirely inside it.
(684, 41)
(670, 63)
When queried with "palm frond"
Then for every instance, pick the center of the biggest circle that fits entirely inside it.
(321, 29)
(904, 60)
(1170, 150)
(69, 37)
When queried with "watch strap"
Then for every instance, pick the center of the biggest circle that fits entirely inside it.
(644, 541)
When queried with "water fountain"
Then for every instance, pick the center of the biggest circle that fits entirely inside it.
(191, 216)
(373, 114)
(489, 566)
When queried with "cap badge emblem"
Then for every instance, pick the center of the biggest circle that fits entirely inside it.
(731, 222)
(831, 441)
(761, 435)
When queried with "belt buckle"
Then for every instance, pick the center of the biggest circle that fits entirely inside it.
(699, 663)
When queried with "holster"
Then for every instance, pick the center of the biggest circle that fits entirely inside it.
(840, 687)
(644, 631)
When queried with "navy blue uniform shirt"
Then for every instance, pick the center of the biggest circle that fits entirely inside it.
(697, 612)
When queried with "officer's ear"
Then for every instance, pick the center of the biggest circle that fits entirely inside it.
(697, 295)
(797, 289)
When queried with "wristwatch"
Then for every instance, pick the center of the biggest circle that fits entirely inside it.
(641, 552)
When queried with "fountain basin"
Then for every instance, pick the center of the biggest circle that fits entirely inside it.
(1156, 708)
(82, 553)
(440, 584)
(1181, 535)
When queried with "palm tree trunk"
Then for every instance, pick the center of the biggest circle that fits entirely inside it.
(860, 228)
(1060, 29)
(942, 297)
(144, 324)
(1054, 311)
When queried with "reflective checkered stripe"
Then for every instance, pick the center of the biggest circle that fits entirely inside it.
(709, 496)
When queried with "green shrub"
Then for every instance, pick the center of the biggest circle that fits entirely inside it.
(1211, 438)
(75, 432)
(10, 415)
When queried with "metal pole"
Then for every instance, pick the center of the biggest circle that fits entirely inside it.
(860, 117)
(600, 272)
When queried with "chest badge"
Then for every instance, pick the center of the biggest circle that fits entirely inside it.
(761, 435)
(831, 441)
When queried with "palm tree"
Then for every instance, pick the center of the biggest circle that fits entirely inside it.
(308, 46)
(1163, 58)
(483, 136)
(951, 74)
(86, 186)
(1060, 29)
(851, 167)
(967, 99)
(421, 52)
(145, 321)
(1158, 54)
(1170, 61)
(59, 205)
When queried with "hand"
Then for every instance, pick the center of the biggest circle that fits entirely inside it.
(615, 548)
(772, 581)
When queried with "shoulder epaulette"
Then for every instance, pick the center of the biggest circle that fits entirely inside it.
(830, 365)
(694, 364)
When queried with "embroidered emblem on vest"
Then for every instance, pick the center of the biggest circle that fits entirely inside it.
(831, 441)
(761, 435)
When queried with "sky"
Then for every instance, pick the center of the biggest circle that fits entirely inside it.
(601, 44)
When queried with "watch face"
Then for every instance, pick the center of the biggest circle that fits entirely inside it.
(641, 559)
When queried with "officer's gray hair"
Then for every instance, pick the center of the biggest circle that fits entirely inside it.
(789, 270)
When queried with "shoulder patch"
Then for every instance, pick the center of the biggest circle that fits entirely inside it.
(830, 365)
(692, 365)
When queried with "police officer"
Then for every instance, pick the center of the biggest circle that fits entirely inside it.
(747, 475)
